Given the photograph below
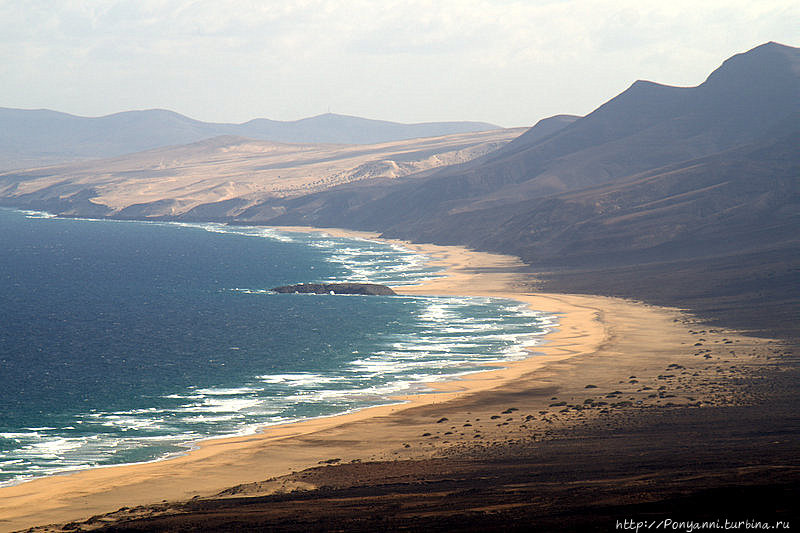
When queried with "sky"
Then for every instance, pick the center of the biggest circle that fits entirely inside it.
(508, 62)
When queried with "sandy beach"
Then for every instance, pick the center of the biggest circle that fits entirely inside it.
(608, 362)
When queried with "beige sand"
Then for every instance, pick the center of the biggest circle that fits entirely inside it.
(183, 177)
(600, 342)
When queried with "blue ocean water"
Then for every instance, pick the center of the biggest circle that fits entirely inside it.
(127, 341)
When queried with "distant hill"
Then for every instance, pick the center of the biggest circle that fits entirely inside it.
(683, 196)
(369, 204)
(222, 177)
(686, 196)
(343, 129)
(41, 137)
(646, 127)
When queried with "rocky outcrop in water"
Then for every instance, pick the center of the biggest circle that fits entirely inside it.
(371, 289)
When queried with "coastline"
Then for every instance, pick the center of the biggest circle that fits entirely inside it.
(605, 338)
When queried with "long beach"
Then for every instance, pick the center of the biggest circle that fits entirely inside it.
(606, 356)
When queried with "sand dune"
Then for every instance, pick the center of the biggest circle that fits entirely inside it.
(172, 181)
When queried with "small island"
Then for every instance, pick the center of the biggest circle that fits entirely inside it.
(371, 289)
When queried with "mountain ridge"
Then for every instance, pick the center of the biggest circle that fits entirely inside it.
(222, 176)
(680, 196)
(42, 137)
(647, 126)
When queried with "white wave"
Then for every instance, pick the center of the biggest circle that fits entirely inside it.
(183, 396)
(437, 313)
(252, 291)
(471, 329)
(21, 435)
(323, 244)
(127, 423)
(364, 394)
(53, 448)
(247, 231)
(209, 419)
(36, 214)
(235, 391)
(275, 235)
(374, 261)
(17, 480)
(299, 379)
(218, 405)
(381, 366)
(72, 468)
(437, 344)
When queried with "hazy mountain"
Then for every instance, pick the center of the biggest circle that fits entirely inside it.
(342, 129)
(645, 127)
(686, 196)
(363, 203)
(41, 137)
(677, 195)
(221, 177)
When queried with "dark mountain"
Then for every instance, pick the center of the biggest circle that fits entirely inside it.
(681, 196)
(684, 196)
(545, 127)
(41, 137)
(645, 127)
(356, 205)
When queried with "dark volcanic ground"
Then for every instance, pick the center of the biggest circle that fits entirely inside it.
(686, 197)
(739, 462)
(756, 293)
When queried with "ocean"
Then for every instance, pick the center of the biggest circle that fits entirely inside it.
(125, 341)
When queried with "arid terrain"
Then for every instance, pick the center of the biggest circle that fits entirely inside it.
(662, 228)
(231, 171)
(628, 412)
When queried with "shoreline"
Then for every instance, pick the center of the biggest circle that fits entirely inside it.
(387, 432)
(399, 399)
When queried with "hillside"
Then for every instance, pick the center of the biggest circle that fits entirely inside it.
(221, 177)
(684, 196)
(646, 127)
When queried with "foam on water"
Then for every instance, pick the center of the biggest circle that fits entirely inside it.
(299, 379)
(361, 259)
(432, 339)
(37, 214)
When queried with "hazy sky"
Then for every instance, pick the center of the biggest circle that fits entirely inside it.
(502, 61)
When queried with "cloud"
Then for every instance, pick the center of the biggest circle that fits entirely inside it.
(508, 61)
